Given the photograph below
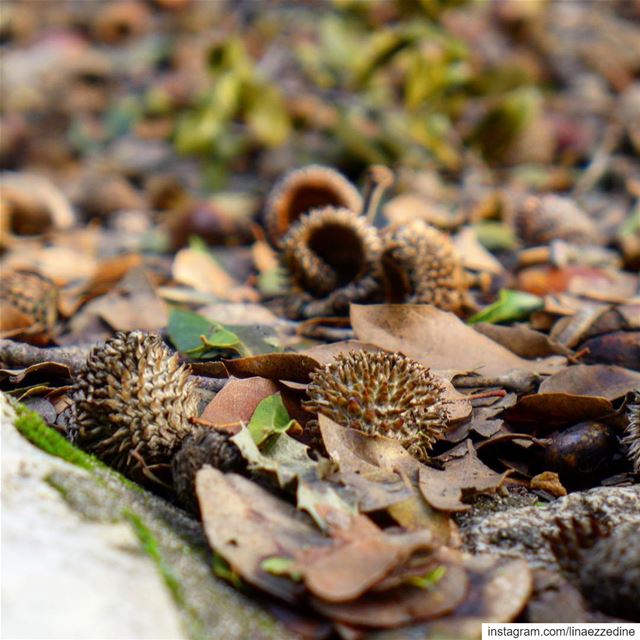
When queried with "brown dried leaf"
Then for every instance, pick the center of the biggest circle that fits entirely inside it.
(199, 270)
(548, 481)
(237, 401)
(522, 340)
(439, 340)
(361, 557)
(402, 605)
(48, 369)
(474, 256)
(620, 348)
(545, 411)
(605, 381)
(294, 367)
(246, 524)
(461, 477)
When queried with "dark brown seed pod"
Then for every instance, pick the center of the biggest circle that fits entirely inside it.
(581, 454)
(384, 394)
(302, 190)
(332, 253)
(604, 564)
(541, 219)
(133, 401)
(204, 446)
(28, 306)
(631, 439)
(421, 265)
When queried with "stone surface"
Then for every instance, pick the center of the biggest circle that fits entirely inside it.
(520, 532)
(64, 576)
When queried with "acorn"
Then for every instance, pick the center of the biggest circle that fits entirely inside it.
(421, 265)
(133, 401)
(331, 254)
(204, 446)
(302, 190)
(541, 219)
(384, 394)
(28, 306)
(604, 564)
(631, 439)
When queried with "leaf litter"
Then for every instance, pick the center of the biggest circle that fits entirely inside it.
(145, 211)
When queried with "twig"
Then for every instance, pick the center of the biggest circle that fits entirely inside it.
(19, 354)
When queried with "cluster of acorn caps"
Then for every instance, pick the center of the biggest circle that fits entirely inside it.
(334, 255)
(135, 403)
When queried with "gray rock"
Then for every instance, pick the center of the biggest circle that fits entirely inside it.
(520, 532)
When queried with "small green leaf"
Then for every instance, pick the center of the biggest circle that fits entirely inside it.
(495, 236)
(281, 566)
(429, 580)
(194, 335)
(270, 417)
(510, 306)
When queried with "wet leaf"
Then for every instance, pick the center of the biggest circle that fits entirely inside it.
(438, 340)
(510, 306)
(198, 337)
(270, 417)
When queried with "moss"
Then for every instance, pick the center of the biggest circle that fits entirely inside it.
(175, 542)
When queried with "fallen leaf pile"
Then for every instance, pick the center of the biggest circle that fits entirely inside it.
(300, 215)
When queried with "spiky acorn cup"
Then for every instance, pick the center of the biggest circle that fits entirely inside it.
(385, 394)
(541, 219)
(631, 439)
(604, 564)
(204, 446)
(332, 257)
(421, 265)
(133, 401)
(302, 190)
(28, 306)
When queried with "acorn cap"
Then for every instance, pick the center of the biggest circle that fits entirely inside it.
(603, 562)
(421, 265)
(302, 190)
(204, 446)
(133, 401)
(385, 394)
(609, 574)
(28, 306)
(631, 439)
(332, 253)
(541, 219)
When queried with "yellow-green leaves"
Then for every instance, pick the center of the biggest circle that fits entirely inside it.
(510, 306)
(270, 417)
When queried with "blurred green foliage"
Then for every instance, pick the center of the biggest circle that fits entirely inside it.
(381, 89)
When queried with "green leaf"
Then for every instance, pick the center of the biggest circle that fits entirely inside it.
(281, 566)
(510, 306)
(194, 335)
(270, 417)
(495, 236)
(429, 580)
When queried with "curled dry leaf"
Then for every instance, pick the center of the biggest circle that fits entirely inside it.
(383, 462)
(294, 367)
(606, 381)
(462, 477)
(48, 369)
(474, 256)
(522, 340)
(439, 340)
